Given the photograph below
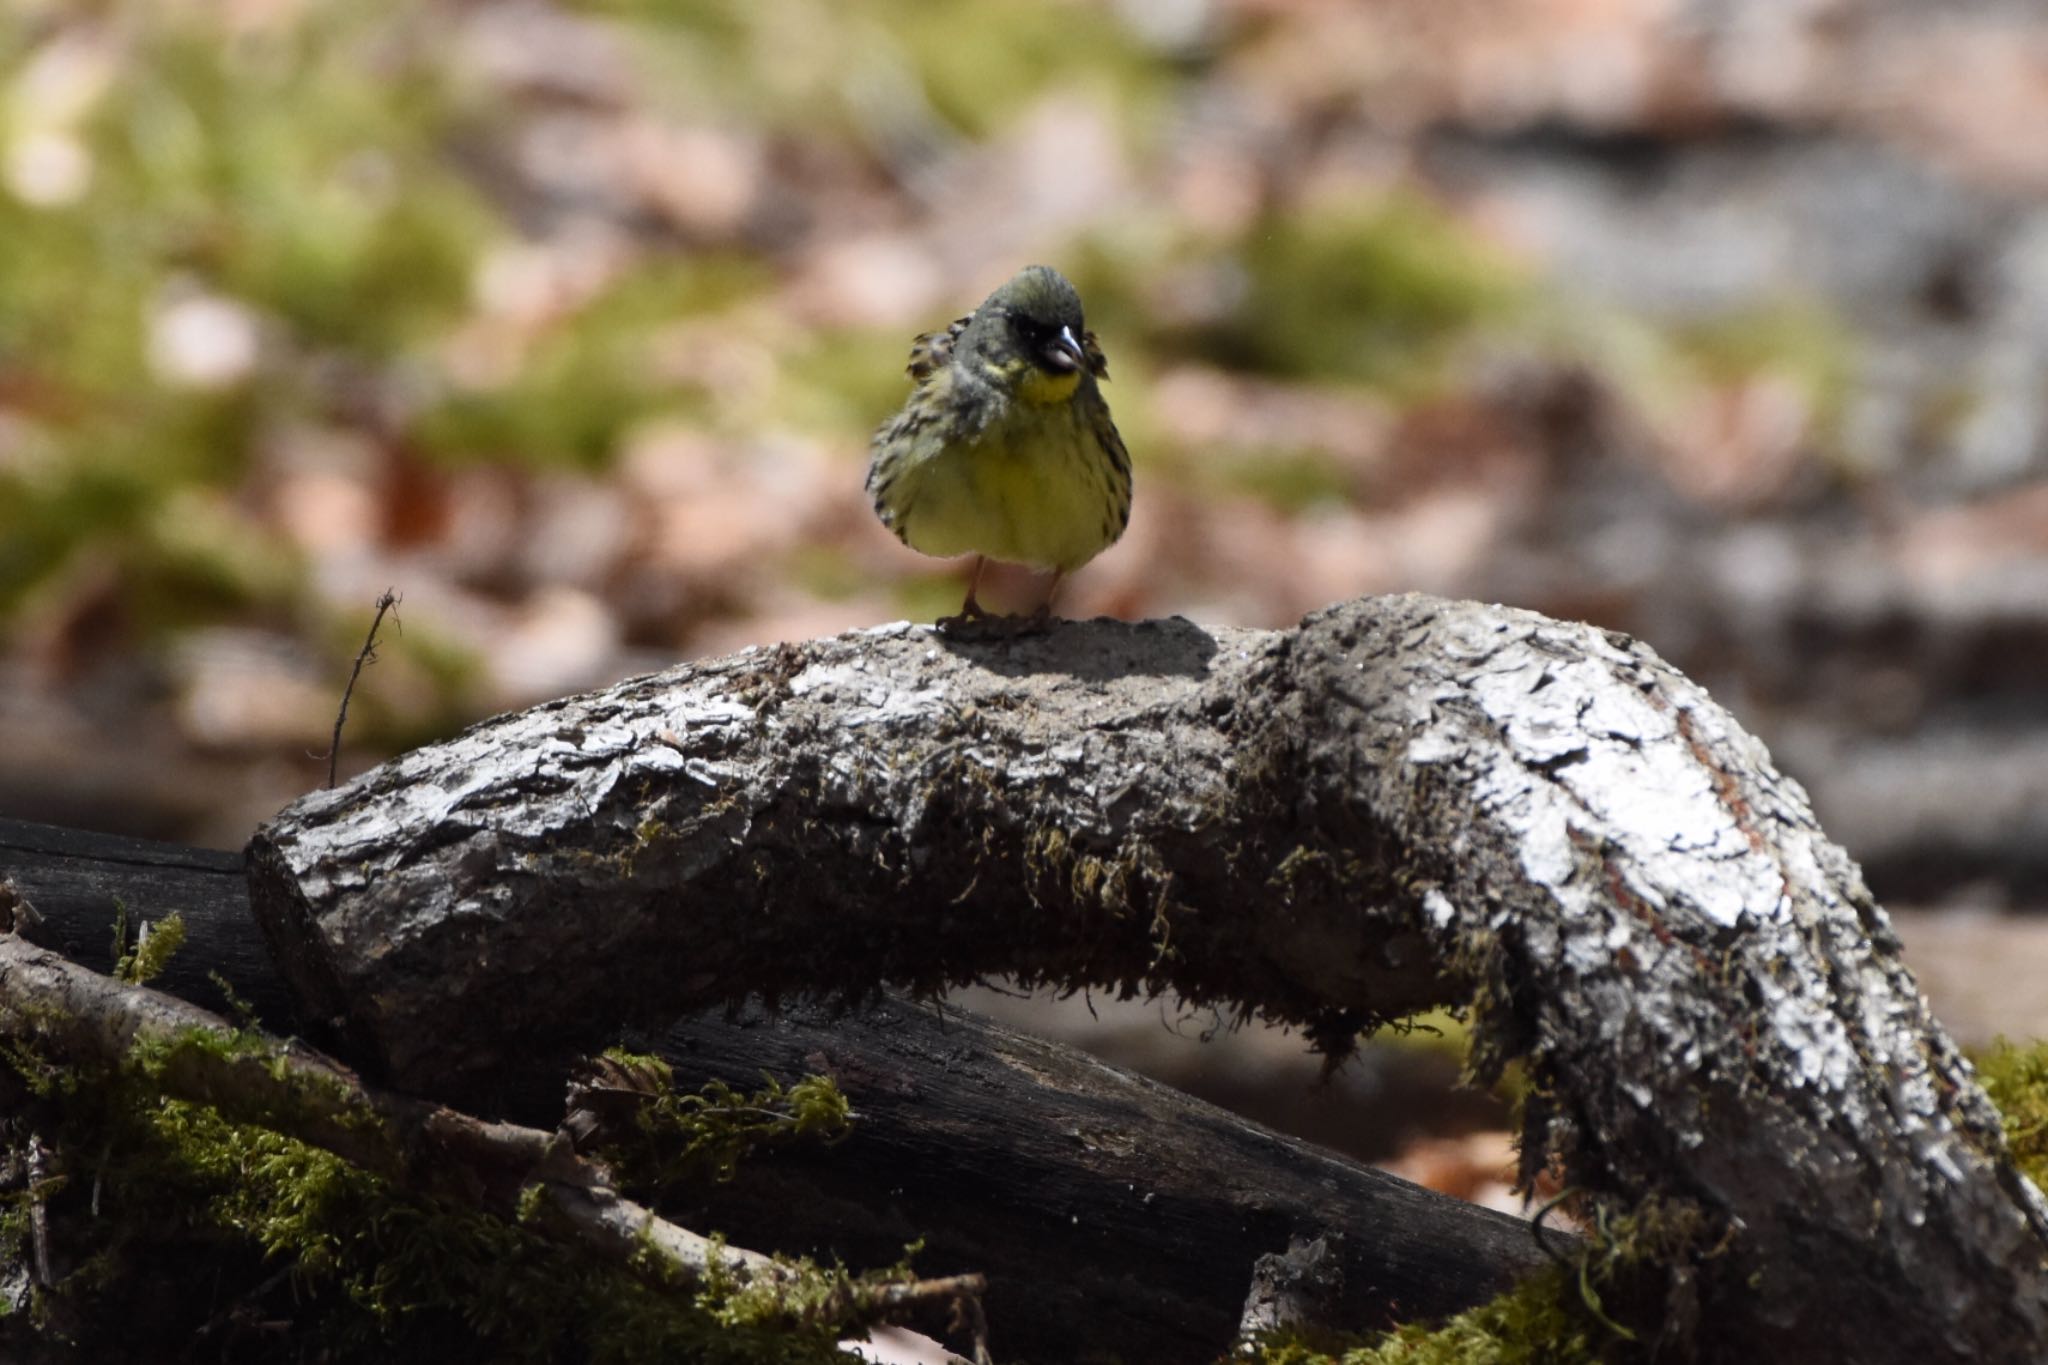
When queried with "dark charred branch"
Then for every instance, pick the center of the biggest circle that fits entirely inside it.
(79, 882)
(1402, 803)
(1111, 1213)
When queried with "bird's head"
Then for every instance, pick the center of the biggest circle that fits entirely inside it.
(1029, 336)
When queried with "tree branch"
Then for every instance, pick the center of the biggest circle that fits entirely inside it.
(1405, 802)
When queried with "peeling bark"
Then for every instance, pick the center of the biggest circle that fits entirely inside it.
(1292, 1290)
(1401, 803)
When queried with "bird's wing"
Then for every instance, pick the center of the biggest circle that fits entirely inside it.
(1091, 351)
(1112, 443)
(932, 350)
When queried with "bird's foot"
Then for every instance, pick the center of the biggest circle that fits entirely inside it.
(986, 626)
(1037, 623)
(970, 621)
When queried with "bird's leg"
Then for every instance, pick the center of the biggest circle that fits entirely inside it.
(971, 609)
(1052, 591)
(1043, 617)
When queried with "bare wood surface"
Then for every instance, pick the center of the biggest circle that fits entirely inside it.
(1401, 803)
(1111, 1213)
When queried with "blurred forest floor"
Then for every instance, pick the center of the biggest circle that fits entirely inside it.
(1723, 323)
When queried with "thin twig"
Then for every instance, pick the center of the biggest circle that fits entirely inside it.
(942, 1289)
(38, 1209)
(366, 655)
(967, 1306)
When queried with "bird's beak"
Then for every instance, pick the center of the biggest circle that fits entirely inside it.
(1063, 353)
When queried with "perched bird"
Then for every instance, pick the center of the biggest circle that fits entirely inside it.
(1005, 448)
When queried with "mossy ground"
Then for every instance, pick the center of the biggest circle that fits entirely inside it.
(1570, 1313)
(174, 1228)
(1533, 1325)
(1557, 1316)
(2015, 1075)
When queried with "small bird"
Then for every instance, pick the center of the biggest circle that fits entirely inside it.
(1005, 448)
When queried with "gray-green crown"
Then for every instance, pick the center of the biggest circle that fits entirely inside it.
(1039, 294)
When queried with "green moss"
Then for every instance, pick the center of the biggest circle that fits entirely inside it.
(872, 68)
(1445, 1030)
(1379, 291)
(981, 64)
(153, 951)
(216, 1212)
(590, 377)
(296, 1098)
(296, 171)
(1533, 1324)
(684, 1137)
(378, 1270)
(847, 381)
(1556, 1316)
(304, 171)
(1794, 339)
(1062, 872)
(1289, 481)
(2016, 1078)
(172, 553)
(1298, 863)
(829, 572)
(15, 1246)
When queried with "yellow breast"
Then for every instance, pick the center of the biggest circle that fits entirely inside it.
(1033, 489)
(1038, 386)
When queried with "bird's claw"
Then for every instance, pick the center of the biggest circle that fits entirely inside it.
(982, 625)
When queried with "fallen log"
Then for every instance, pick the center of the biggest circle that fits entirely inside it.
(1405, 802)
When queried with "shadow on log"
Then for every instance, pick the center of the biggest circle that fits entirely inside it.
(1402, 803)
